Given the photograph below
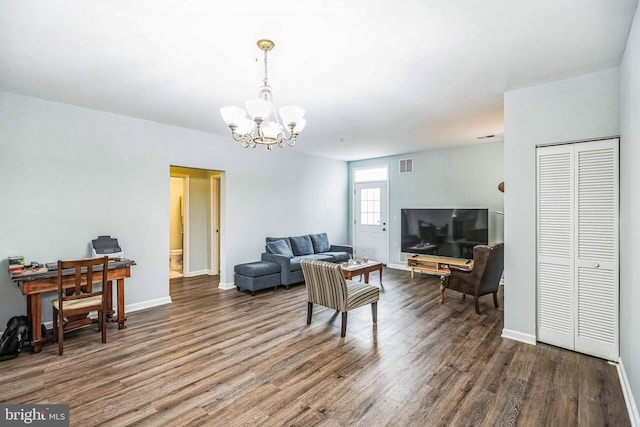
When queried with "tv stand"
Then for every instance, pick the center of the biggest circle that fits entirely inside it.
(436, 265)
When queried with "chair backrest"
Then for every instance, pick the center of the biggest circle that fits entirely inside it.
(326, 284)
(490, 263)
(87, 272)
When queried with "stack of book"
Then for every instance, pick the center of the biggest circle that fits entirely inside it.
(16, 263)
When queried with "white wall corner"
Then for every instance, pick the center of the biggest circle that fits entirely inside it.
(628, 395)
(519, 336)
(227, 286)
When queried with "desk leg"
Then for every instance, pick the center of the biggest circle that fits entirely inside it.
(110, 312)
(121, 317)
(34, 311)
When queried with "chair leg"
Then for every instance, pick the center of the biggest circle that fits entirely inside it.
(60, 321)
(495, 299)
(343, 331)
(374, 311)
(55, 325)
(476, 304)
(309, 312)
(103, 328)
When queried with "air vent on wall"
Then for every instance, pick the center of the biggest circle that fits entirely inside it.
(406, 165)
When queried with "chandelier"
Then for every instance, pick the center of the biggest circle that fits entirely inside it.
(264, 126)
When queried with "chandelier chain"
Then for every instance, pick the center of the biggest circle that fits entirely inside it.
(266, 80)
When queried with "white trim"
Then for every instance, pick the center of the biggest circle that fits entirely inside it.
(632, 409)
(197, 273)
(226, 286)
(214, 224)
(130, 308)
(519, 336)
(399, 267)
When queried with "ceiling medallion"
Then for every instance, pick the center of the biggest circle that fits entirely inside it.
(264, 126)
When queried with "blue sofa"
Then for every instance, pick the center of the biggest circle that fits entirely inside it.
(289, 251)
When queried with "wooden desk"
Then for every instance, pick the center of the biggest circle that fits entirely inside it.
(34, 284)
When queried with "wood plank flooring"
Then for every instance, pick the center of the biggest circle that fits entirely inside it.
(225, 358)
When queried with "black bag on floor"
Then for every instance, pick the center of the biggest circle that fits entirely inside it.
(16, 337)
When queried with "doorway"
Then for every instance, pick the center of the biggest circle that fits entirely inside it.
(194, 222)
(370, 213)
(178, 188)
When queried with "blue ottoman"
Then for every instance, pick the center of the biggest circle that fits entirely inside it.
(254, 276)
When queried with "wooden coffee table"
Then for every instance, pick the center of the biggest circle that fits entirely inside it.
(362, 269)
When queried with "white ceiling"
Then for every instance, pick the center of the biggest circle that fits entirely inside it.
(376, 77)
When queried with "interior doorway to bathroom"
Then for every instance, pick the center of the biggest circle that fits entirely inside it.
(177, 192)
(194, 218)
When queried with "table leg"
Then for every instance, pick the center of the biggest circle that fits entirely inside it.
(109, 290)
(366, 277)
(34, 311)
(121, 317)
(380, 275)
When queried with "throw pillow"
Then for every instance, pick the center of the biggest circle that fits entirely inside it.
(320, 242)
(279, 247)
(301, 245)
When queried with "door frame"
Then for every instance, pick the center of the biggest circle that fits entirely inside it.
(214, 238)
(385, 261)
(185, 231)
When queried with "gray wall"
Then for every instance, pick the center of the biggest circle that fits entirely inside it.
(630, 208)
(459, 177)
(70, 174)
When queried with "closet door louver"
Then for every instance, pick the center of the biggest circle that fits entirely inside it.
(577, 226)
(555, 248)
(596, 279)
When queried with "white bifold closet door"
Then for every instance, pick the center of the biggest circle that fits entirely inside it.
(577, 264)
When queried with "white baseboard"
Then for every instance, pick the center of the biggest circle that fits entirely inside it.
(632, 409)
(146, 304)
(227, 286)
(519, 336)
(196, 273)
(399, 267)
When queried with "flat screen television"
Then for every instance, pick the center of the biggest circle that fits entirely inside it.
(444, 232)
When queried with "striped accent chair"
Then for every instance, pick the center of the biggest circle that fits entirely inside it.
(327, 286)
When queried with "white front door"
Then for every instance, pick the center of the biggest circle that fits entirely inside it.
(370, 219)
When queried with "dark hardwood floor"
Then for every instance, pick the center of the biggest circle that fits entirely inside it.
(225, 358)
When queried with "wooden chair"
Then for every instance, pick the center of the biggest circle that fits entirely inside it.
(76, 297)
(327, 286)
(482, 279)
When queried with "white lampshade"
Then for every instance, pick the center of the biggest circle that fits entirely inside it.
(291, 114)
(271, 129)
(232, 115)
(245, 126)
(258, 108)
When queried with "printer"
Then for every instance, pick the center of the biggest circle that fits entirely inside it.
(106, 245)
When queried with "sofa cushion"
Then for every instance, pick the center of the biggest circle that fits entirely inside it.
(301, 245)
(279, 247)
(320, 242)
(295, 261)
(273, 239)
(338, 256)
